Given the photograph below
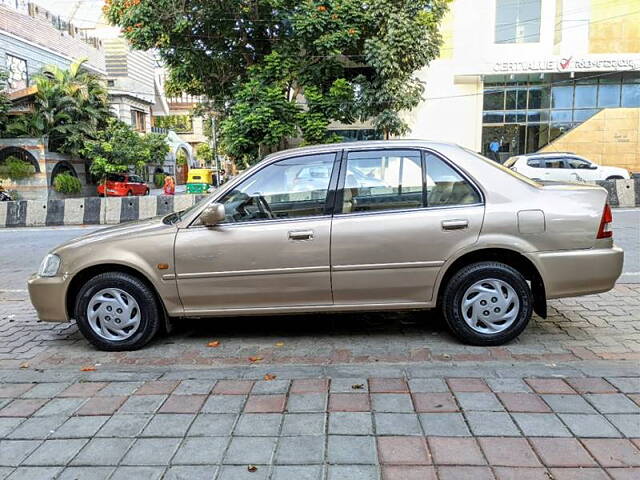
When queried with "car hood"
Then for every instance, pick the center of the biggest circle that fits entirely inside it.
(124, 230)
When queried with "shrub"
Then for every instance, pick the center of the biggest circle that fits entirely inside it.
(67, 183)
(158, 180)
(15, 169)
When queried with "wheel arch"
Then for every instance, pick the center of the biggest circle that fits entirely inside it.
(509, 257)
(91, 271)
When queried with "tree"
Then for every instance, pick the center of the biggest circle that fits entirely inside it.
(349, 59)
(117, 148)
(4, 101)
(70, 106)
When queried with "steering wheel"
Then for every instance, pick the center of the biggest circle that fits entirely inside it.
(263, 206)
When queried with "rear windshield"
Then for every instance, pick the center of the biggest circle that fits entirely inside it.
(115, 177)
(510, 161)
(495, 164)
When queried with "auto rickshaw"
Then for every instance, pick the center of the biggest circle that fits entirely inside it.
(199, 180)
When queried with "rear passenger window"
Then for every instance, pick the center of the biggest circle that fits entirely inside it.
(555, 163)
(445, 186)
(382, 180)
(533, 162)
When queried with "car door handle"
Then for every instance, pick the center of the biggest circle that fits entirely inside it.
(301, 235)
(455, 224)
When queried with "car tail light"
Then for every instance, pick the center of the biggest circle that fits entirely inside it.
(605, 223)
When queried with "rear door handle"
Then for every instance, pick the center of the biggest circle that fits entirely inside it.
(455, 224)
(301, 235)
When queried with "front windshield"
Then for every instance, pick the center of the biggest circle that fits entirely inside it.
(497, 165)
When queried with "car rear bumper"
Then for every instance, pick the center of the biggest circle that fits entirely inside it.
(579, 272)
(48, 295)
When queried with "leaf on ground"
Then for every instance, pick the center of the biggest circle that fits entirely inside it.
(358, 386)
(214, 344)
(279, 344)
(24, 365)
(252, 468)
(269, 377)
(255, 359)
(88, 369)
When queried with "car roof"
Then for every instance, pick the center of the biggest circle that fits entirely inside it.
(546, 154)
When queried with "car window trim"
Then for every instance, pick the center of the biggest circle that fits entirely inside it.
(336, 162)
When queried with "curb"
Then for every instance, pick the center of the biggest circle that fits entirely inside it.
(114, 210)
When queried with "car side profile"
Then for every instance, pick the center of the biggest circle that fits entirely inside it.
(392, 225)
(563, 167)
(122, 185)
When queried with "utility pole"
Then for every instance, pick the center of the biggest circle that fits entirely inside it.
(214, 148)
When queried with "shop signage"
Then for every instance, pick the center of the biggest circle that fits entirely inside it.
(568, 64)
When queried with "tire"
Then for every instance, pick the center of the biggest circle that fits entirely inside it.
(468, 282)
(146, 192)
(129, 193)
(149, 314)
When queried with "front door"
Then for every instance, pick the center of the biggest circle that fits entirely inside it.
(403, 213)
(272, 250)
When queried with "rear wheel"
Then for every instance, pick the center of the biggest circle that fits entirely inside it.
(487, 303)
(117, 311)
(146, 192)
(129, 193)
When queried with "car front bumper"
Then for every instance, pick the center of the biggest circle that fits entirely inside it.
(572, 273)
(48, 295)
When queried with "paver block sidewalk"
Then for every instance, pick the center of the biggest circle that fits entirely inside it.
(347, 428)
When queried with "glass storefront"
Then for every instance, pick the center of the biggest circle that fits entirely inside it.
(523, 113)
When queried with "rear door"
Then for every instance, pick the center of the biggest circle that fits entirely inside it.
(400, 214)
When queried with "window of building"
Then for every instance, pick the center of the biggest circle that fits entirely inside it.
(382, 180)
(517, 21)
(18, 73)
(139, 120)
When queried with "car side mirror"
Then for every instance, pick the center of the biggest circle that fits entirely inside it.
(212, 215)
(593, 167)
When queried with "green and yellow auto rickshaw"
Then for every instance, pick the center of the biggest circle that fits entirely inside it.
(199, 180)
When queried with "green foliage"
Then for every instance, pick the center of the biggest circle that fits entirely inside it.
(177, 123)
(158, 180)
(66, 183)
(16, 169)
(181, 157)
(118, 148)
(4, 101)
(350, 60)
(205, 153)
(70, 107)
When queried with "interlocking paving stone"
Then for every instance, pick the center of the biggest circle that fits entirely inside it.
(398, 472)
(612, 403)
(45, 390)
(258, 424)
(626, 384)
(613, 452)
(13, 452)
(479, 401)
(22, 407)
(183, 404)
(444, 424)
(151, 451)
(562, 452)
(352, 472)
(568, 404)
(224, 404)
(307, 402)
(233, 472)
(129, 425)
(351, 450)
(403, 451)
(212, 424)
(232, 387)
(312, 385)
(467, 385)
(304, 424)
(579, 474)
(139, 473)
(12, 390)
(491, 424)
(60, 407)
(265, 387)
(455, 451)
(388, 385)
(624, 473)
(142, 404)
(103, 451)
(290, 472)
(427, 385)
(265, 403)
(349, 402)
(82, 389)
(119, 389)
(396, 424)
(252, 450)
(586, 425)
(550, 385)
(37, 428)
(521, 473)
(35, 473)
(194, 387)
(101, 406)
(349, 385)
(7, 424)
(80, 427)
(157, 387)
(55, 452)
(465, 473)
(434, 402)
(523, 402)
(190, 472)
(86, 473)
(627, 423)
(391, 402)
(168, 425)
(201, 451)
(508, 452)
(508, 385)
(300, 450)
(350, 423)
(541, 425)
(591, 385)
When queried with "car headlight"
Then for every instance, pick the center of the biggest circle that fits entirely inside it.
(49, 266)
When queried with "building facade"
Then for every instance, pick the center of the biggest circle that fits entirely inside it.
(529, 72)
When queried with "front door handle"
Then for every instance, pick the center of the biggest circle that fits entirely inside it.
(301, 235)
(455, 224)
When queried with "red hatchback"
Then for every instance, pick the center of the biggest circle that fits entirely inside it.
(122, 185)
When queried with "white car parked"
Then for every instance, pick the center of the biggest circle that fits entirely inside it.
(563, 167)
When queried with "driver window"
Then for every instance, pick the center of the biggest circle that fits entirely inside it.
(291, 188)
(578, 163)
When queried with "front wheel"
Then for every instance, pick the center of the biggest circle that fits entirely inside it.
(487, 303)
(116, 311)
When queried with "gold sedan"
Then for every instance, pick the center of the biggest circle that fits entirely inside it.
(347, 227)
